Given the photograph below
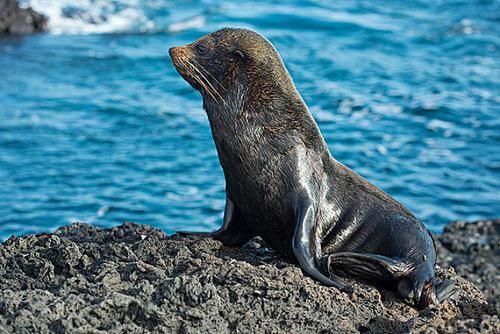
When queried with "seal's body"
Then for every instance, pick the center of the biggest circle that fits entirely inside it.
(282, 183)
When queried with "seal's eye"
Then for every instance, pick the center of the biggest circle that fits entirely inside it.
(201, 48)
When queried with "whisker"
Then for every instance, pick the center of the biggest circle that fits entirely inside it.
(208, 73)
(190, 72)
(201, 74)
(195, 76)
(207, 82)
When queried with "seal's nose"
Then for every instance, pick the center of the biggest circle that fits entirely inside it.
(171, 51)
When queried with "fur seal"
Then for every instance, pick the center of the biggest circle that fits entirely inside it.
(282, 183)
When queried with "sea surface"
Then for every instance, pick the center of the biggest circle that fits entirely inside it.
(96, 125)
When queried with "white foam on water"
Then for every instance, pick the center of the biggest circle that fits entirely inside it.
(93, 16)
(107, 16)
(195, 22)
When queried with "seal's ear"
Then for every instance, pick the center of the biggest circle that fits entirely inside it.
(238, 54)
(235, 55)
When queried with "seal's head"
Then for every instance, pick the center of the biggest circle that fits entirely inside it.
(230, 60)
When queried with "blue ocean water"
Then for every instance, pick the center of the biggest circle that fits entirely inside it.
(96, 125)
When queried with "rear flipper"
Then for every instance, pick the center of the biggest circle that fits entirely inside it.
(446, 290)
(413, 282)
(429, 292)
(367, 266)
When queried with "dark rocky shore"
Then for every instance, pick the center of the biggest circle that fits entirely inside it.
(134, 279)
(17, 20)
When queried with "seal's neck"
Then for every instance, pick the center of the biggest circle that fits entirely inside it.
(258, 102)
(230, 117)
(252, 117)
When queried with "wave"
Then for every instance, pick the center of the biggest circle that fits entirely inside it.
(108, 16)
(195, 22)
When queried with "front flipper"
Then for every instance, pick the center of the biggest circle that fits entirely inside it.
(234, 230)
(306, 246)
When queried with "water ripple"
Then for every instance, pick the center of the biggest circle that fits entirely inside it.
(97, 126)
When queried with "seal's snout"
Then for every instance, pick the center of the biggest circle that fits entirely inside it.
(181, 57)
(171, 51)
(178, 52)
(175, 55)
